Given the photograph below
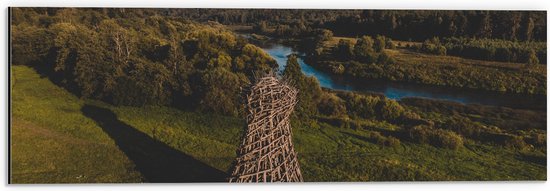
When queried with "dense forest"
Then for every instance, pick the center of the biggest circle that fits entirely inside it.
(403, 25)
(174, 61)
(137, 60)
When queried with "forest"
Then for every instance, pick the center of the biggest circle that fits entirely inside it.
(176, 76)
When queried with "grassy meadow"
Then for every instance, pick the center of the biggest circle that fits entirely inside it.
(57, 137)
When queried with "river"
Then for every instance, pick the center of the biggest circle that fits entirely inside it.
(394, 90)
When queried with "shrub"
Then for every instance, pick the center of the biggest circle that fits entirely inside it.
(516, 142)
(384, 141)
(390, 44)
(436, 137)
(392, 142)
(379, 43)
(532, 59)
(446, 139)
(384, 58)
(389, 109)
(464, 126)
(432, 46)
(332, 105)
(420, 134)
(540, 139)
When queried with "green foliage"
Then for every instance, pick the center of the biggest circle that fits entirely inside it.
(464, 126)
(364, 49)
(389, 43)
(516, 142)
(392, 142)
(127, 59)
(322, 35)
(49, 131)
(254, 59)
(432, 46)
(309, 89)
(219, 90)
(389, 109)
(419, 134)
(497, 50)
(399, 24)
(361, 106)
(332, 105)
(532, 58)
(436, 137)
(344, 50)
(446, 139)
(139, 60)
(379, 43)
(444, 71)
(29, 43)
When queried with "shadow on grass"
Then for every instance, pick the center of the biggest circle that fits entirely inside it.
(156, 161)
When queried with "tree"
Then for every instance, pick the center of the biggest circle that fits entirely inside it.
(253, 59)
(485, 29)
(379, 43)
(364, 50)
(308, 86)
(293, 71)
(218, 91)
(532, 59)
(322, 35)
(528, 29)
(344, 50)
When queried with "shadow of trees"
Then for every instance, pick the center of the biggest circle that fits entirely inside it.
(155, 160)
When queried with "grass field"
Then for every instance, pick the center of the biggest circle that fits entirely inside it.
(57, 137)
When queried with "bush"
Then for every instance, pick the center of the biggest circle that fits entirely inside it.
(540, 139)
(332, 105)
(390, 44)
(389, 109)
(433, 46)
(516, 142)
(420, 134)
(446, 139)
(532, 59)
(360, 105)
(464, 126)
(392, 142)
(384, 58)
(379, 43)
(436, 137)
(384, 141)
(378, 138)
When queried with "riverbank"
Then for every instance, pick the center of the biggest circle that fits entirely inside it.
(451, 72)
(279, 49)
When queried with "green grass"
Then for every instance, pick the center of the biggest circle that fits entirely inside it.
(52, 141)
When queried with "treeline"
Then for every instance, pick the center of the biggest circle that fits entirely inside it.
(397, 24)
(365, 49)
(497, 50)
(487, 49)
(131, 60)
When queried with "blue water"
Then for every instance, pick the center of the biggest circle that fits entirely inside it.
(398, 91)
